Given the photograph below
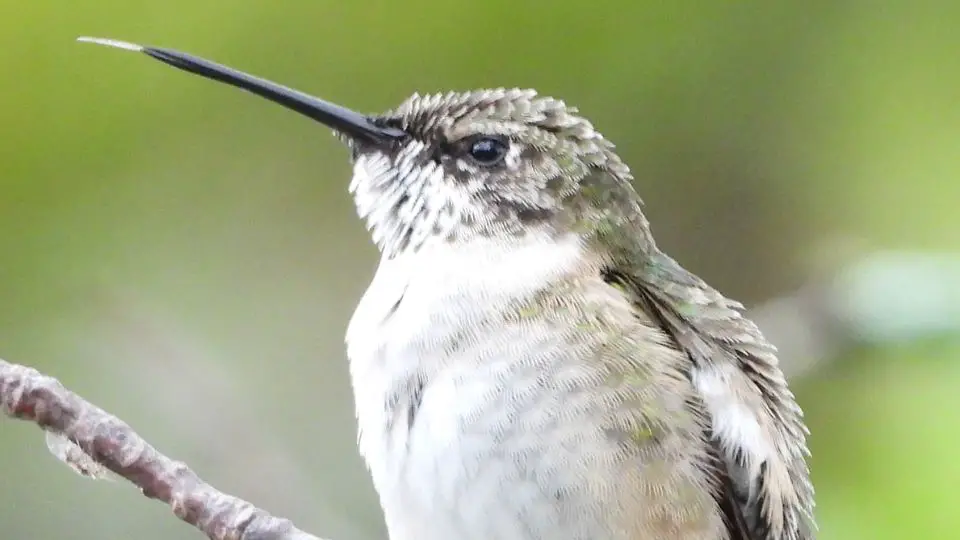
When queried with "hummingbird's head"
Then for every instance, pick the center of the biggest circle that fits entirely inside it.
(453, 167)
(498, 162)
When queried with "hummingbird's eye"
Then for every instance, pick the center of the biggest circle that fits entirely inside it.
(488, 151)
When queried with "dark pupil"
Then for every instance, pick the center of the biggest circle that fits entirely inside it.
(488, 151)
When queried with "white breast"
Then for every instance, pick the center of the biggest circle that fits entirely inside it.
(442, 286)
(412, 332)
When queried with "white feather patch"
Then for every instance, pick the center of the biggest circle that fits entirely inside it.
(733, 421)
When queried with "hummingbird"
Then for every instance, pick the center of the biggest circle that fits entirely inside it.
(527, 364)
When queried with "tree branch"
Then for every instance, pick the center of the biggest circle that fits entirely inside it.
(28, 395)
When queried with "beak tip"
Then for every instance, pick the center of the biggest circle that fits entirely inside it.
(115, 43)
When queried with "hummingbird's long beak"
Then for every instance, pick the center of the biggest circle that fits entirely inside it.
(341, 119)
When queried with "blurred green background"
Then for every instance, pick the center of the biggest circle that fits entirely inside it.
(187, 257)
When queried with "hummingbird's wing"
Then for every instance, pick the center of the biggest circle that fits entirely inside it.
(757, 428)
